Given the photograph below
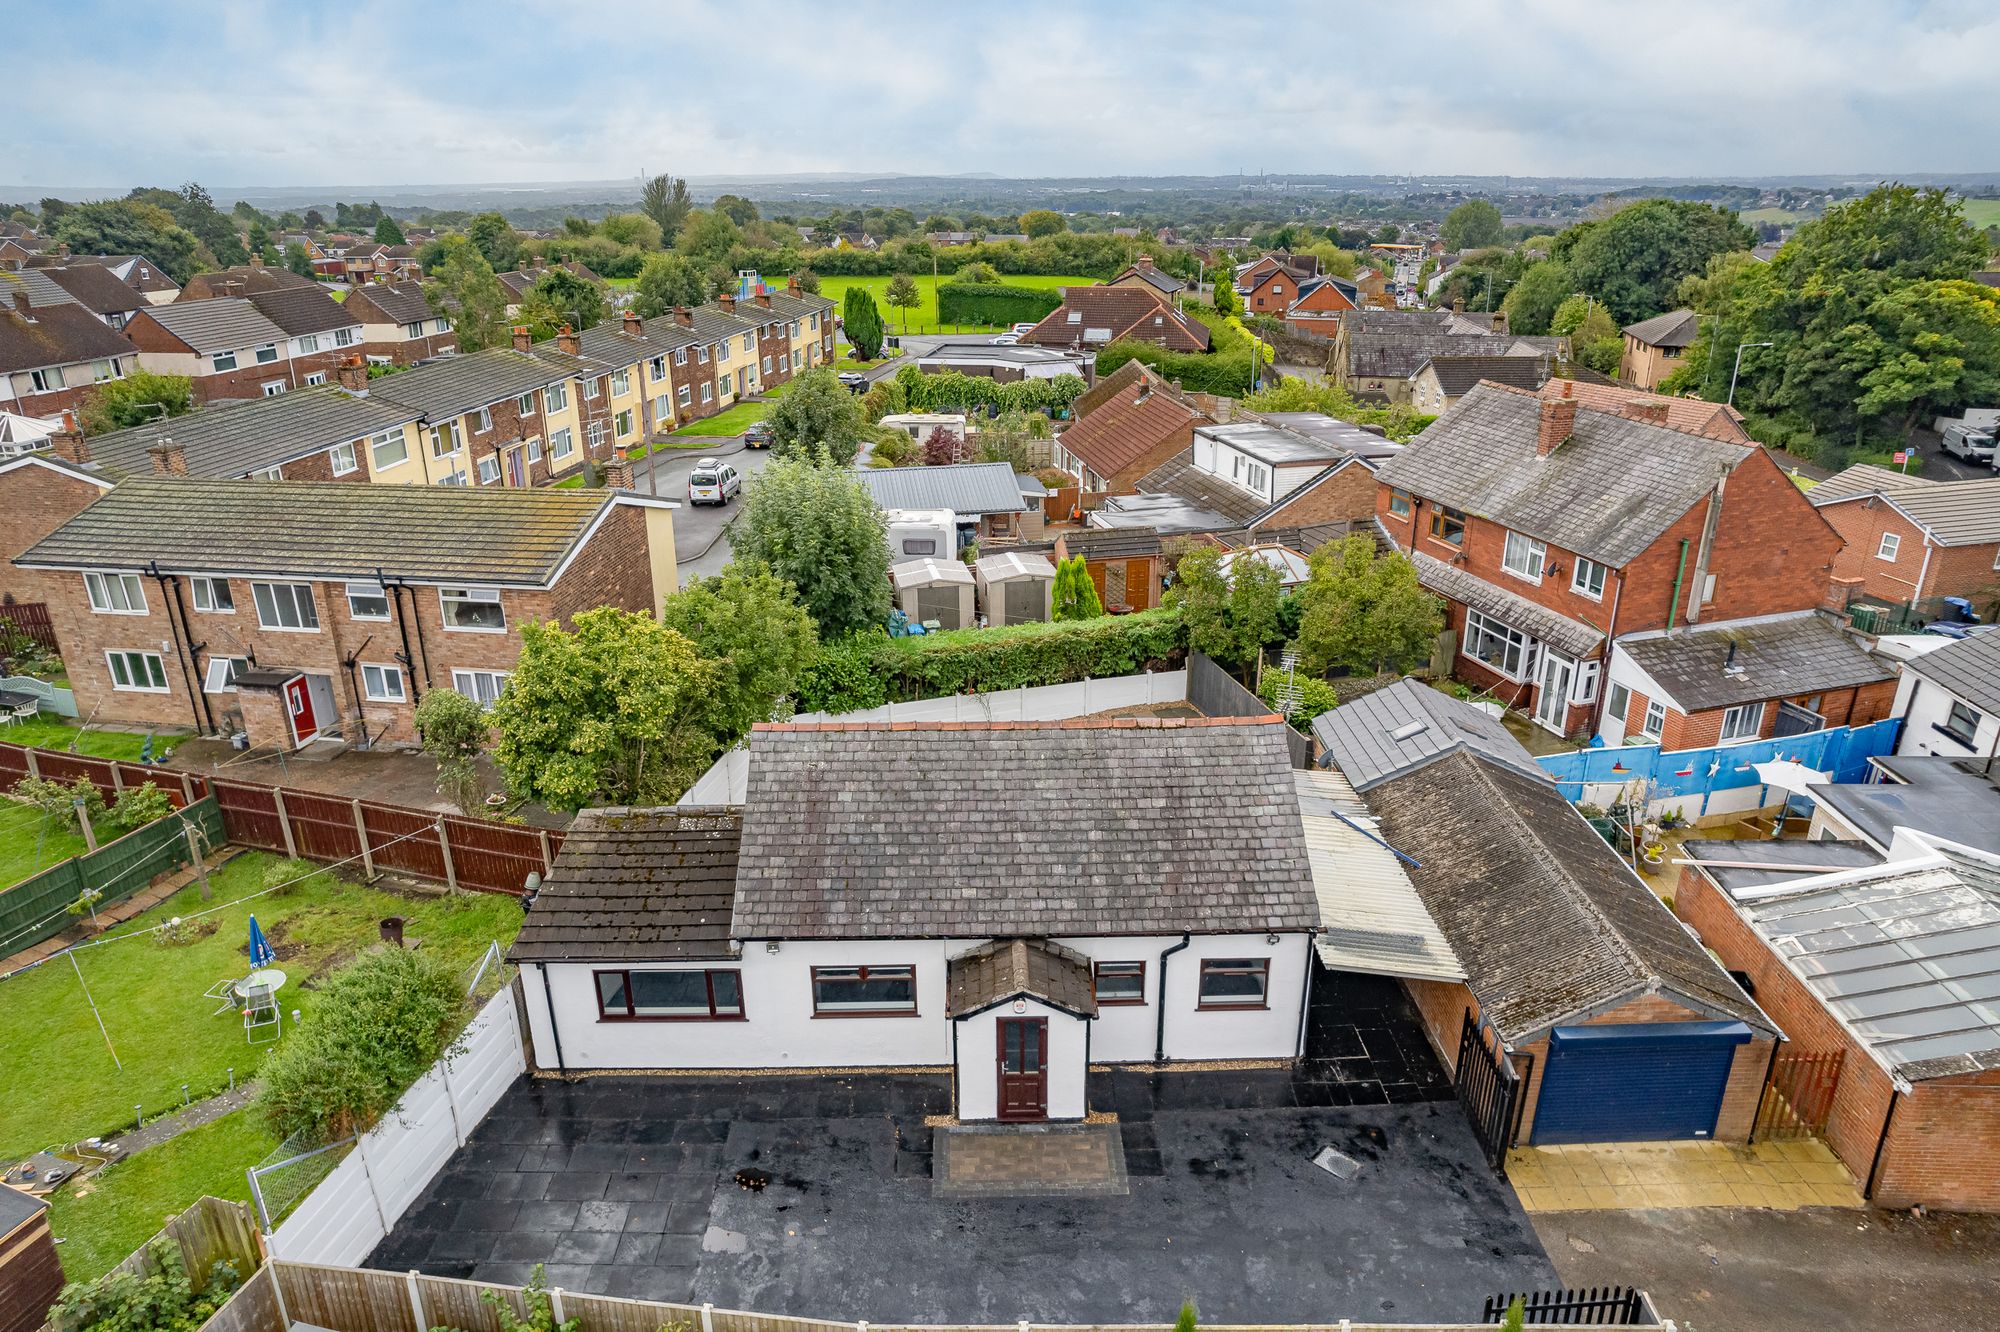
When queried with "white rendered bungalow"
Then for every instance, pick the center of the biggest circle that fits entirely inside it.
(1011, 902)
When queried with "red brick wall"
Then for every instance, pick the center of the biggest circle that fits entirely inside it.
(319, 466)
(1861, 524)
(508, 426)
(35, 501)
(1944, 1146)
(694, 374)
(1346, 496)
(614, 569)
(1857, 706)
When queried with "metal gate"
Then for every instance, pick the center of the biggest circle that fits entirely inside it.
(1490, 1091)
(1799, 1096)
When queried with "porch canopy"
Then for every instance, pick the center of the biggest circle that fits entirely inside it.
(1013, 968)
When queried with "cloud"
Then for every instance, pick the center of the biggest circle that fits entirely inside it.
(373, 93)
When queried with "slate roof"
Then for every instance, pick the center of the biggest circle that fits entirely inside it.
(996, 972)
(1675, 328)
(1550, 925)
(1969, 668)
(1707, 666)
(1956, 513)
(306, 309)
(960, 830)
(1694, 415)
(1457, 374)
(54, 335)
(1456, 583)
(1105, 314)
(222, 323)
(1155, 277)
(1124, 427)
(454, 385)
(96, 288)
(1112, 543)
(637, 885)
(327, 529)
(399, 302)
(1608, 493)
(251, 436)
(1399, 355)
(1389, 732)
(967, 489)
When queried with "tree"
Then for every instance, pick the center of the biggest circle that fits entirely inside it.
(1364, 610)
(124, 227)
(707, 235)
(817, 415)
(141, 396)
(748, 625)
(902, 293)
(736, 208)
(315, 220)
(497, 241)
(664, 198)
(1255, 588)
(454, 732)
(666, 281)
(1923, 345)
(1039, 222)
(1532, 301)
(807, 279)
(861, 322)
(388, 233)
(1224, 295)
(297, 260)
(1074, 595)
(560, 297)
(1634, 260)
(1201, 593)
(977, 273)
(633, 229)
(606, 712)
(463, 288)
(1472, 225)
(942, 448)
(815, 526)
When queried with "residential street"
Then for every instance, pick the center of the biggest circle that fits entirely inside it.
(700, 544)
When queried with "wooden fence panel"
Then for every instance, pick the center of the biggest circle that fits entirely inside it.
(31, 619)
(346, 1299)
(13, 764)
(32, 910)
(253, 1308)
(452, 1303)
(404, 840)
(322, 825)
(494, 857)
(250, 815)
(66, 768)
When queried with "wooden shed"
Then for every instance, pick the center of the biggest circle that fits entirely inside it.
(1015, 588)
(31, 1275)
(933, 590)
(1126, 564)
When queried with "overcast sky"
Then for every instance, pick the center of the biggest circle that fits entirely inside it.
(119, 92)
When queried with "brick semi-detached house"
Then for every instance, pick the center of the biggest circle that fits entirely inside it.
(225, 345)
(1910, 539)
(1552, 529)
(307, 612)
(398, 326)
(53, 350)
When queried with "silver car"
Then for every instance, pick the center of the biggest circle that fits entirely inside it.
(713, 481)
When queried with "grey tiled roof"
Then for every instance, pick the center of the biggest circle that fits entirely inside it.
(1469, 589)
(1607, 493)
(948, 830)
(1400, 355)
(96, 288)
(1969, 668)
(1956, 513)
(1457, 374)
(1675, 328)
(1396, 730)
(1947, 797)
(1550, 924)
(637, 885)
(305, 309)
(967, 489)
(996, 972)
(226, 323)
(399, 302)
(1708, 666)
(454, 385)
(245, 437)
(327, 529)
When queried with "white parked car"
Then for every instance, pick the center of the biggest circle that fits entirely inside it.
(1019, 329)
(1005, 340)
(713, 481)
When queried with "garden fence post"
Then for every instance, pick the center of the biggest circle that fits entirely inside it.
(555, 1304)
(361, 831)
(117, 779)
(548, 861)
(284, 822)
(187, 790)
(194, 854)
(707, 1317)
(277, 1286)
(417, 1301)
(34, 768)
(89, 833)
(450, 870)
(368, 1174)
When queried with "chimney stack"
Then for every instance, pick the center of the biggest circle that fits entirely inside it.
(1144, 262)
(567, 341)
(792, 286)
(256, 261)
(1649, 410)
(522, 342)
(1558, 421)
(727, 300)
(764, 299)
(352, 375)
(169, 458)
(682, 317)
(634, 325)
(66, 441)
(618, 474)
(1458, 305)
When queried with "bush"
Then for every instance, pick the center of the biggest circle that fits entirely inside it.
(381, 1022)
(1226, 374)
(56, 800)
(1315, 696)
(140, 805)
(994, 303)
(166, 1301)
(866, 671)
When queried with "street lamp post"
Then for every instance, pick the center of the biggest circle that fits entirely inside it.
(1731, 401)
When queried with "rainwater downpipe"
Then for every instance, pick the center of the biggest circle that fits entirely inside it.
(1881, 1145)
(1610, 642)
(402, 628)
(169, 589)
(555, 1032)
(1305, 995)
(1680, 572)
(1160, 1030)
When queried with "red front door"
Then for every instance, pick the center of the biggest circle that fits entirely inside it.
(299, 704)
(1024, 1068)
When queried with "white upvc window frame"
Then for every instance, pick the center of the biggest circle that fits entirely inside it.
(1889, 547)
(470, 595)
(216, 362)
(344, 459)
(621, 381)
(489, 470)
(298, 593)
(555, 398)
(388, 439)
(376, 677)
(467, 682)
(260, 357)
(369, 592)
(1581, 585)
(562, 444)
(525, 404)
(1745, 720)
(1479, 624)
(1653, 725)
(121, 660)
(1524, 557)
(220, 675)
(204, 587)
(98, 585)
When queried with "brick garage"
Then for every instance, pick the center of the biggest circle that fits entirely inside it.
(1914, 1131)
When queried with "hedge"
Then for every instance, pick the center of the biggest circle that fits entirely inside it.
(951, 390)
(867, 671)
(994, 303)
(1226, 374)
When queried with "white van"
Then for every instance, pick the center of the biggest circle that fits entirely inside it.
(1968, 442)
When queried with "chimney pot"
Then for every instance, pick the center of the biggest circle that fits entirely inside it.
(634, 325)
(352, 375)
(1458, 305)
(764, 299)
(169, 458)
(1557, 423)
(522, 342)
(792, 285)
(1145, 261)
(567, 341)
(67, 442)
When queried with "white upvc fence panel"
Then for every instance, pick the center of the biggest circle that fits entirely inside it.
(352, 1210)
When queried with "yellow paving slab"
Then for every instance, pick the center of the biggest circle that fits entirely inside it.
(1781, 1175)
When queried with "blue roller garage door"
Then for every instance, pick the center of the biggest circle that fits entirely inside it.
(1641, 1082)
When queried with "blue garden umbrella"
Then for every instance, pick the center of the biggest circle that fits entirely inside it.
(260, 949)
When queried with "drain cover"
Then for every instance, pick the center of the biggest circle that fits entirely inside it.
(1337, 1163)
(753, 1179)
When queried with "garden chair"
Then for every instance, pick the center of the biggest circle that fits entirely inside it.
(262, 1022)
(224, 994)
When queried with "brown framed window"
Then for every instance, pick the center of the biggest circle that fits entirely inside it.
(1235, 982)
(1120, 983)
(864, 991)
(1399, 503)
(669, 996)
(1448, 526)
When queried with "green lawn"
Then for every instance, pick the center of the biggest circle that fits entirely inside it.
(28, 847)
(622, 284)
(47, 732)
(1779, 215)
(1981, 213)
(923, 317)
(109, 1215)
(733, 420)
(60, 1082)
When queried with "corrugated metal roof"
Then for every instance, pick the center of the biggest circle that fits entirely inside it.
(1371, 918)
(1393, 730)
(967, 489)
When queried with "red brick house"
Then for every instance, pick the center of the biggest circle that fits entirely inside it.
(1551, 529)
(1128, 424)
(1095, 317)
(1876, 962)
(39, 492)
(304, 613)
(53, 350)
(224, 344)
(1912, 539)
(398, 326)
(244, 280)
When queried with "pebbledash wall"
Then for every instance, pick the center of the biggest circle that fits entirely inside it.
(778, 1028)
